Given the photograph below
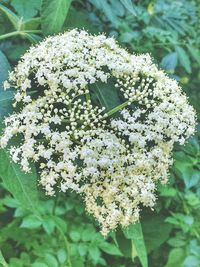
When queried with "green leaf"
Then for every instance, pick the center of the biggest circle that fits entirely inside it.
(4, 68)
(107, 9)
(23, 186)
(192, 198)
(31, 222)
(192, 147)
(31, 24)
(106, 94)
(26, 9)
(166, 191)
(33, 38)
(156, 231)
(183, 59)
(2, 260)
(110, 249)
(134, 232)
(15, 262)
(118, 8)
(53, 15)
(129, 6)
(175, 258)
(76, 262)
(79, 19)
(11, 16)
(39, 264)
(192, 261)
(50, 260)
(16, 51)
(184, 168)
(169, 62)
(88, 234)
(48, 225)
(195, 53)
(60, 224)
(177, 241)
(82, 249)
(124, 244)
(75, 235)
(6, 99)
(62, 256)
(94, 253)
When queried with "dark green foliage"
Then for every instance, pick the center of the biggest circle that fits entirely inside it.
(53, 15)
(36, 231)
(24, 187)
(101, 97)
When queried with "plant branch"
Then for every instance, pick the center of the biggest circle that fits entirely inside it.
(118, 108)
(11, 34)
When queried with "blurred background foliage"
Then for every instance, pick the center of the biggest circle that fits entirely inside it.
(36, 231)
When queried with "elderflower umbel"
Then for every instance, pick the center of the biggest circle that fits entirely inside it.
(114, 162)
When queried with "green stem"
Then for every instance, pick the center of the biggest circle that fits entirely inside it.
(11, 34)
(7, 35)
(118, 108)
(66, 242)
(31, 31)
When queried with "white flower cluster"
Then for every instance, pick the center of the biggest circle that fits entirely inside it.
(112, 158)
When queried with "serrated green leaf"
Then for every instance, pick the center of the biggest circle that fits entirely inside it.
(31, 24)
(194, 52)
(134, 232)
(176, 258)
(75, 235)
(166, 191)
(108, 11)
(4, 69)
(79, 19)
(94, 253)
(124, 244)
(53, 15)
(50, 260)
(87, 234)
(110, 249)
(183, 59)
(31, 222)
(15, 262)
(77, 262)
(106, 94)
(129, 6)
(2, 260)
(62, 256)
(169, 62)
(39, 264)
(6, 98)
(14, 19)
(118, 8)
(192, 147)
(82, 249)
(60, 224)
(33, 38)
(156, 231)
(191, 261)
(23, 186)
(48, 225)
(26, 9)
(16, 51)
